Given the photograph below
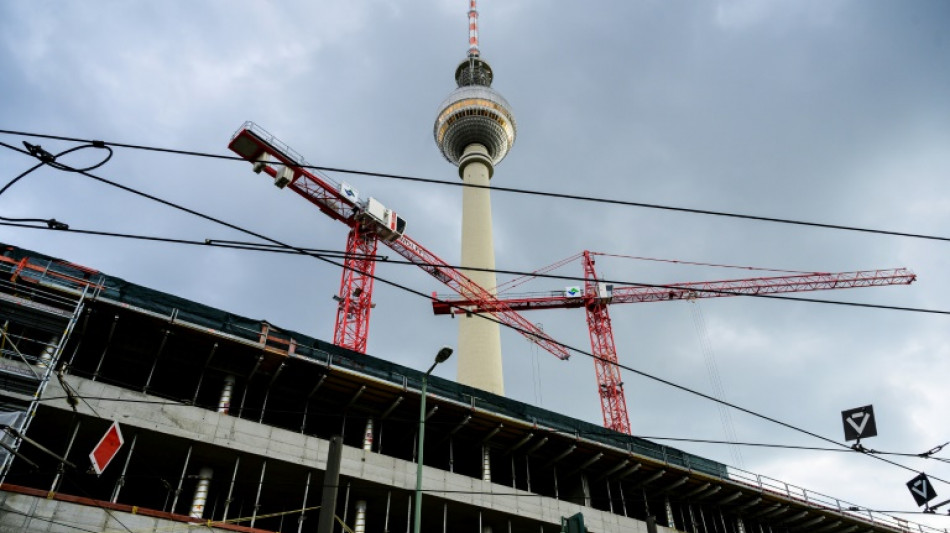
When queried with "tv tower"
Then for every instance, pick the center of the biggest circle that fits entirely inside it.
(475, 129)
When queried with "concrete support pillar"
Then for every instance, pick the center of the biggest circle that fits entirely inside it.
(158, 355)
(257, 499)
(669, 511)
(359, 525)
(227, 390)
(527, 472)
(204, 371)
(623, 499)
(61, 468)
(368, 435)
(105, 350)
(486, 463)
(46, 356)
(651, 524)
(346, 502)
(451, 454)
(184, 470)
(201, 493)
(227, 502)
(479, 346)
(125, 468)
(303, 506)
(585, 487)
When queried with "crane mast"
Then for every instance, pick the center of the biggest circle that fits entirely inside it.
(597, 296)
(369, 222)
(613, 402)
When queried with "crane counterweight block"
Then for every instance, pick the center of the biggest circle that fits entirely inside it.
(288, 168)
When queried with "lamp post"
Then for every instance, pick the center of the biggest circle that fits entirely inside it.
(444, 353)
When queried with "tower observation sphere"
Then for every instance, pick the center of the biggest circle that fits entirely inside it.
(474, 113)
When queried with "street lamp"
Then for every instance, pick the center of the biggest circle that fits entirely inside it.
(444, 353)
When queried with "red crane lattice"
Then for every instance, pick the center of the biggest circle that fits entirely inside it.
(369, 223)
(596, 297)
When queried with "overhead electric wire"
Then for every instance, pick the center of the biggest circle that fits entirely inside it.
(405, 288)
(292, 250)
(696, 263)
(513, 190)
(49, 159)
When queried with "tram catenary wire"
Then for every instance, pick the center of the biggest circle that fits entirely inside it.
(410, 290)
(512, 190)
(292, 250)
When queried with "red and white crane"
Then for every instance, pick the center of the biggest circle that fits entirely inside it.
(597, 295)
(370, 222)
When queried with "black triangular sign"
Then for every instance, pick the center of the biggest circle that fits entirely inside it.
(921, 489)
(859, 423)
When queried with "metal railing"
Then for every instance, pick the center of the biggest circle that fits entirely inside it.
(825, 502)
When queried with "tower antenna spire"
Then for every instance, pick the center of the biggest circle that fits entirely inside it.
(472, 30)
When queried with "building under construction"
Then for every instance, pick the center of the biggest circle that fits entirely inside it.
(226, 424)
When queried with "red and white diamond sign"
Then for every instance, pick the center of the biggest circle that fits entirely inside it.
(107, 448)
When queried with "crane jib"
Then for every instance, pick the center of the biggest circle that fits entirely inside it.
(339, 201)
(686, 291)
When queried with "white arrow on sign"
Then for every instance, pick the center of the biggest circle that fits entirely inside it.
(920, 488)
(864, 422)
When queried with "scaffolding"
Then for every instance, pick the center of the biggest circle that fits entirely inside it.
(39, 307)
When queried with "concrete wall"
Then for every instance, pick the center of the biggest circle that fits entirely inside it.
(31, 514)
(249, 437)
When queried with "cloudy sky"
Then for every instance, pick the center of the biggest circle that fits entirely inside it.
(832, 111)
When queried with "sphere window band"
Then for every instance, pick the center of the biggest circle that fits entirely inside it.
(475, 115)
(445, 123)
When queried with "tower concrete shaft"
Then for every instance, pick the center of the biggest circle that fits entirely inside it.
(475, 129)
(479, 343)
